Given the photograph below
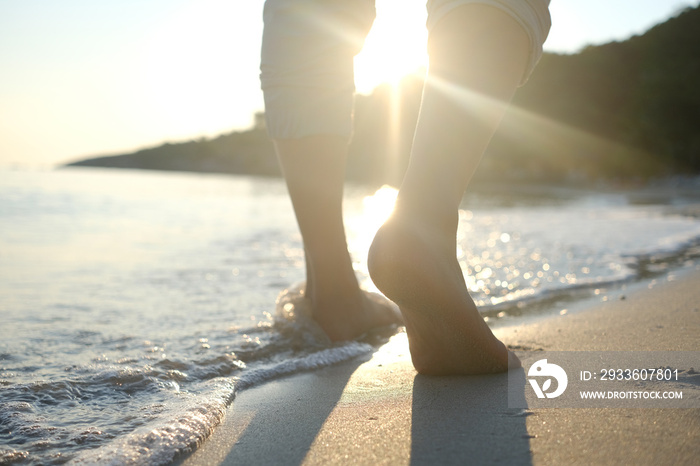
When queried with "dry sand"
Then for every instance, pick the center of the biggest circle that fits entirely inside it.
(377, 410)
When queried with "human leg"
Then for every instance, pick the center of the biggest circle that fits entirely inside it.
(306, 72)
(478, 56)
(314, 170)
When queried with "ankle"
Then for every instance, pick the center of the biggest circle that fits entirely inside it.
(330, 283)
(436, 216)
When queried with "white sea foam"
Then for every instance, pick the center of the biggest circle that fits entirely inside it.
(323, 358)
(191, 421)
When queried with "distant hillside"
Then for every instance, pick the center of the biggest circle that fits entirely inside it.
(620, 110)
(244, 152)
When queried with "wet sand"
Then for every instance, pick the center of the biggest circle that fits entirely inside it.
(377, 410)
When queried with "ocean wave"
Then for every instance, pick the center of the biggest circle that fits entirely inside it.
(187, 424)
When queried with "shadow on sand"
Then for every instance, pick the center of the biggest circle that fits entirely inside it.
(452, 420)
(466, 420)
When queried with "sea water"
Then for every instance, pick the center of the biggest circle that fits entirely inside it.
(134, 304)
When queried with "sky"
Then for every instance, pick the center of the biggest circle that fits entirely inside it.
(81, 78)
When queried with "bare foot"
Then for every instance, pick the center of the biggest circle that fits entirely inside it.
(347, 316)
(415, 265)
(346, 312)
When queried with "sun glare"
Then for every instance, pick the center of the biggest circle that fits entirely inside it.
(375, 210)
(378, 207)
(396, 45)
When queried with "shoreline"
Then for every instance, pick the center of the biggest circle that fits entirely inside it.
(377, 410)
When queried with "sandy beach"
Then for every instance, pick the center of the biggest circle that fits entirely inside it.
(377, 410)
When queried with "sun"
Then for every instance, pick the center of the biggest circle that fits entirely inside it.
(396, 45)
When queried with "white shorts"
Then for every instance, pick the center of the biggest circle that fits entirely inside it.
(308, 46)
